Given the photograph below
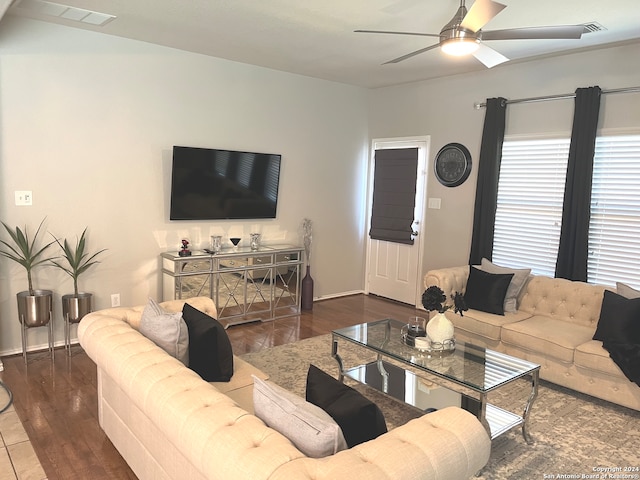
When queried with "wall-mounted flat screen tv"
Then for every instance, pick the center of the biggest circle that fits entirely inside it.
(211, 184)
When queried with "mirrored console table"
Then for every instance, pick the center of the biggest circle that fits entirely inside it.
(246, 285)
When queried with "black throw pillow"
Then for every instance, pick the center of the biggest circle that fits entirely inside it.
(627, 357)
(619, 319)
(359, 418)
(210, 353)
(486, 291)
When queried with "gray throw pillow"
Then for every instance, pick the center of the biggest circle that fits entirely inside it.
(309, 428)
(520, 277)
(626, 291)
(167, 330)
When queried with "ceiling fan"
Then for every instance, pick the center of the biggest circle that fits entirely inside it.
(463, 34)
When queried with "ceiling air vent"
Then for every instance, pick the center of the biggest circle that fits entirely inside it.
(593, 27)
(65, 11)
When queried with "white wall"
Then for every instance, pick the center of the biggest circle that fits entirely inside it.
(88, 121)
(443, 109)
(103, 112)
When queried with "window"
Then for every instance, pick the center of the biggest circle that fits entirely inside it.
(529, 212)
(614, 229)
(530, 196)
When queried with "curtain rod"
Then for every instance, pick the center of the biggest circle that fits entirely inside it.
(479, 105)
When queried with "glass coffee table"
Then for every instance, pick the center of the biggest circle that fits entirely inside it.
(463, 376)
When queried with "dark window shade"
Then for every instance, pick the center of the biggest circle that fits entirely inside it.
(394, 195)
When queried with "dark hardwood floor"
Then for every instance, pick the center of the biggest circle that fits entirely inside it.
(57, 401)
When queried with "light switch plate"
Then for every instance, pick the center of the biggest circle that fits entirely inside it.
(434, 203)
(24, 197)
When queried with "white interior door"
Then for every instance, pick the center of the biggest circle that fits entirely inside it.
(394, 269)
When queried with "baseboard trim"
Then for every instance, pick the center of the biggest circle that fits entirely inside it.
(338, 295)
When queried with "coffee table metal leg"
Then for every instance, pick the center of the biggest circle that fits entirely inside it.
(384, 374)
(334, 354)
(527, 409)
(482, 414)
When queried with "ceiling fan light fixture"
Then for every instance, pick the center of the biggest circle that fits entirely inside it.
(459, 47)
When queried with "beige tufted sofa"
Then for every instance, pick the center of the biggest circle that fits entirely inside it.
(553, 326)
(168, 423)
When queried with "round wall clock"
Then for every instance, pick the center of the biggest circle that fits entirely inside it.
(452, 165)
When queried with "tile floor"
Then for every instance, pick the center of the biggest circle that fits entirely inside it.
(18, 461)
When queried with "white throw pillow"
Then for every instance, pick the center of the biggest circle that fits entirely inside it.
(626, 291)
(167, 330)
(520, 277)
(309, 428)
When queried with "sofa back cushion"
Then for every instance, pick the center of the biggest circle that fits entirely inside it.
(571, 301)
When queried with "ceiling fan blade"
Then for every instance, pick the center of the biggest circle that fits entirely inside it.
(399, 33)
(412, 54)
(532, 33)
(480, 13)
(488, 56)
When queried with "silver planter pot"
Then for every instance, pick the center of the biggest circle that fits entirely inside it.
(35, 310)
(74, 307)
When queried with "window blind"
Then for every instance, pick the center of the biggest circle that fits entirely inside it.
(529, 206)
(614, 228)
(394, 195)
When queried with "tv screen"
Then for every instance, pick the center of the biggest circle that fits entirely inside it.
(211, 184)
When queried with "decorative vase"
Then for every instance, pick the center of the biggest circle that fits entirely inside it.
(440, 328)
(255, 241)
(307, 291)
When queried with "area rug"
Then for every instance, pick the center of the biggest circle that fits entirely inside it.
(575, 435)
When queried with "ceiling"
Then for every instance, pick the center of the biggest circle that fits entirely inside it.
(315, 37)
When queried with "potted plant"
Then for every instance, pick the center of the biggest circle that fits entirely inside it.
(34, 306)
(78, 260)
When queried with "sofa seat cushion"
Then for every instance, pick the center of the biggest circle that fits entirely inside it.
(483, 324)
(592, 356)
(242, 376)
(240, 387)
(556, 338)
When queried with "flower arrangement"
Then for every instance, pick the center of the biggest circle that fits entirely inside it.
(307, 237)
(434, 298)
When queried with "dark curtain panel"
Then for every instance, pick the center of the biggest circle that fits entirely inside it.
(574, 233)
(394, 195)
(484, 214)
